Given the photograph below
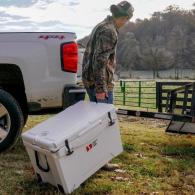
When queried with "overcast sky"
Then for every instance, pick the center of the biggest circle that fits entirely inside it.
(78, 16)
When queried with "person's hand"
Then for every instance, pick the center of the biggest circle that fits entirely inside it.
(101, 96)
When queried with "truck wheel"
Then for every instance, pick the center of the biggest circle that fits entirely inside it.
(11, 120)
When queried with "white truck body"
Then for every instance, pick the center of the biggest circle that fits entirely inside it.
(38, 57)
(38, 74)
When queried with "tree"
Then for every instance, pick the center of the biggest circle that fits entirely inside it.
(155, 58)
(166, 40)
(128, 53)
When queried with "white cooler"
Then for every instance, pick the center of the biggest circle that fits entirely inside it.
(68, 148)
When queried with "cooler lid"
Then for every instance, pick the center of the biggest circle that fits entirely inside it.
(67, 125)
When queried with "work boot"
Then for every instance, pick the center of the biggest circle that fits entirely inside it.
(110, 167)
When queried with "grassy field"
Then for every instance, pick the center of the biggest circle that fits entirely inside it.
(152, 163)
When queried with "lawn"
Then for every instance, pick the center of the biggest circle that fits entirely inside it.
(153, 162)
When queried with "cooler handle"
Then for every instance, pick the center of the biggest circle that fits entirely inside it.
(38, 164)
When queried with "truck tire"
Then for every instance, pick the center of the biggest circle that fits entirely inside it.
(11, 120)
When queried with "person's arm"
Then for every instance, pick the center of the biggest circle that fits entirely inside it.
(105, 45)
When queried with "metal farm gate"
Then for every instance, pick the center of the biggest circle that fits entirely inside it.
(174, 101)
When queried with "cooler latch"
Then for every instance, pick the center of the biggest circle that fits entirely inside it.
(111, 122)
(68, 148)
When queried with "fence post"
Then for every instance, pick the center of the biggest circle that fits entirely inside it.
(124, 93)
(193, 103)
(185, 101)
(140, 91)
(159, 96)
(173, 100)
(121, 85)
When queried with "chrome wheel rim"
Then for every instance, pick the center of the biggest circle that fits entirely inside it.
(5, 123)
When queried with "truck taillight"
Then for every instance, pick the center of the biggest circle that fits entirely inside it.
(69, 57)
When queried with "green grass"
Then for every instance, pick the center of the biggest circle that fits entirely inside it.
(154, 163)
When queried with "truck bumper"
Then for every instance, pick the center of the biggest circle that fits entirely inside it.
(72, 95)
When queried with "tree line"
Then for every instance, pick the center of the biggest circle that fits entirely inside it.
(164, 41)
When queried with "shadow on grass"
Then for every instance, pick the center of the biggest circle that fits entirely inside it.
(180, 157)
(32, 186)
(178, 151)
(90, 187)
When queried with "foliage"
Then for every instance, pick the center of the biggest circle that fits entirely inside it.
(166, 40)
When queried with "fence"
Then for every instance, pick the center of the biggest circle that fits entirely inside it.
(140, 94)
(147, 94)
(179, 96)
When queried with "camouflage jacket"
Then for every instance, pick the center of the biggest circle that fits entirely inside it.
(99, 61)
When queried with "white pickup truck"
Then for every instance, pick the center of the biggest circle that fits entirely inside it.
(38, 71)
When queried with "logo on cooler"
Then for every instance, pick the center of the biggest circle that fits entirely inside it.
(91, 146)
(52, 37)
